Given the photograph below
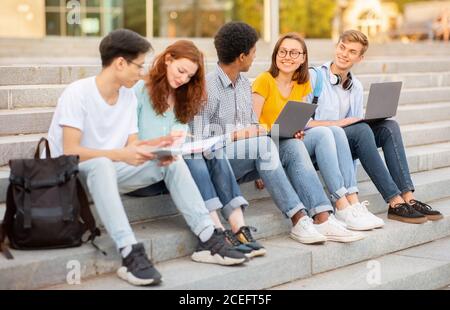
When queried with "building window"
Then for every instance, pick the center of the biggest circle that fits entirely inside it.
(202, 18)
(97, 18)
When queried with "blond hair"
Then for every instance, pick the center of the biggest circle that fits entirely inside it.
(355, 36)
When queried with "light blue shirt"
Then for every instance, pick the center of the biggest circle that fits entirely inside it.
(329, 100)
(150, 124)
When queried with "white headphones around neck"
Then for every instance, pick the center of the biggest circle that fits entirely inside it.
(336, 79)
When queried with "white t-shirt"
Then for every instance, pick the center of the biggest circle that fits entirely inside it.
(344, 101)
(103, 126)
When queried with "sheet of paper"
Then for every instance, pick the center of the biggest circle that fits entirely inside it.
(200, 146)
(186, 148)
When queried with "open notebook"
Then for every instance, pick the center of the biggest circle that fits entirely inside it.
(194, 147)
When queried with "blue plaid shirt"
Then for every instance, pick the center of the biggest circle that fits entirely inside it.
(229, 106)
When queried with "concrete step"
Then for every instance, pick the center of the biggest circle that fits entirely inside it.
(25, 121)
(423, 113)
(32, 96)
(289, 260)
(37, 120)
(410, 80)
(420, 95)
(423, 73)
(420, 158)
(430, 185)
(423, 267)
(20, 146)
(426, 133)
(73, 47)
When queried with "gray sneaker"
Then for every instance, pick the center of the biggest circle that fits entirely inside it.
(217, 251)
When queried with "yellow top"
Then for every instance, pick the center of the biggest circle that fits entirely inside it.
(266, 86)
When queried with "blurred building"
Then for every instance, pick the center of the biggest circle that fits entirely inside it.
(382, 20)
(379, 19)
(152, 18)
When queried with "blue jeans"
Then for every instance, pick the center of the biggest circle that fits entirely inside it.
(329, 149)
(303, 176)
(254, 157)
(217, 184)
(106, 180)
(364, 141)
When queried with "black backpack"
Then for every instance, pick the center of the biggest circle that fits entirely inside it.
(44, 204)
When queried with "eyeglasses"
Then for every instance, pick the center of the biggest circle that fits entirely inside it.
(141, 67)
(292, 53)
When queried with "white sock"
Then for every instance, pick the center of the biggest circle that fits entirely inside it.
(125, 251)
(206, 233)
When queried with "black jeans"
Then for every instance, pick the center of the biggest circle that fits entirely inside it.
(365, 139)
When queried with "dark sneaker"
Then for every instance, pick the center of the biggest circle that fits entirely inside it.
(423, 208)
(137, 269)
(217, 251)
(403, 212)
(244, 235)
(236, 244)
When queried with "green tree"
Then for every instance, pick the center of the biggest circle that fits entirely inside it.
(135, 16)
(293, 16)
(311, 18)
(249, 11)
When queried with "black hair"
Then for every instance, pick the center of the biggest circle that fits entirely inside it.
(122, 43)
(233, 39)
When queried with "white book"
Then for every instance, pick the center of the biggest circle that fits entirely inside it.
(194, 147)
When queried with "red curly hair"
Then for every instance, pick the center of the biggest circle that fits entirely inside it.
(190, 97)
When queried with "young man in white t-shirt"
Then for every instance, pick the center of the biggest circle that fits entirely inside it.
(341, 104)
(96, 118)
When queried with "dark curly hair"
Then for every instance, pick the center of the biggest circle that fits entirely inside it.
(233, 39)
(190, 97)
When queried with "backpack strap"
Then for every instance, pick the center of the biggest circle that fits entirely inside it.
(47, 149)
(317, 88)
(87, 217)
(5, 227)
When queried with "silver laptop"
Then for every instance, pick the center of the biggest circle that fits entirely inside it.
(294, 117)
(383, 100)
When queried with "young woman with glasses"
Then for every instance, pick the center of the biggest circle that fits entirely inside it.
(286, 80)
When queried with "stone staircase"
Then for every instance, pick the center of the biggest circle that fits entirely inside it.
(410, 256)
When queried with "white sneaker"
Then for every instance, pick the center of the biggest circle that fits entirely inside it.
(337, 221)
(334, 231)
(305, 232)
(362, 207)
(354, 218)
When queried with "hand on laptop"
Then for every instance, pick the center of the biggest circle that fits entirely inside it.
(348, 121)
(299, 135)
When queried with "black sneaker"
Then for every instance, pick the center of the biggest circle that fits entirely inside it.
(244, 235)
(423, 208)
(236, 244)
(217, 251)
(403, 212)
(137, 269)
